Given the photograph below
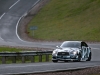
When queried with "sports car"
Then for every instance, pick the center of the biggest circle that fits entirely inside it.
(72, 51)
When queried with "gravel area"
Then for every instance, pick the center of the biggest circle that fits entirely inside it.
(88, 71)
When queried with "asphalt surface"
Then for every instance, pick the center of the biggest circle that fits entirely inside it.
(49, 66)
(11, 12)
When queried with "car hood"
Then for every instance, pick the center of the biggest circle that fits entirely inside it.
(67, 49)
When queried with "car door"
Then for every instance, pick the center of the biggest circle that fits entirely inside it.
(84, 50)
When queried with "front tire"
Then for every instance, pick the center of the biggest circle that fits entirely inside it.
(55, 61)
(65, 60)
(79, 58)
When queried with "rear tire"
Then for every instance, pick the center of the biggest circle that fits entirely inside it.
(89, 58)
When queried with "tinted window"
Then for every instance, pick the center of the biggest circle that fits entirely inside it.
(84, 44)
(71, 44)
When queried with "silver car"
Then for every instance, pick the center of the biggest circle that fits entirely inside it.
(72, 51)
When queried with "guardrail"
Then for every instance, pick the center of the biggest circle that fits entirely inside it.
(24, 56)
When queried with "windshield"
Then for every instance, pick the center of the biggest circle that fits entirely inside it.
(70, 44)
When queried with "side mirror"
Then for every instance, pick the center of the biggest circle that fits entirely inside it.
(57, 46)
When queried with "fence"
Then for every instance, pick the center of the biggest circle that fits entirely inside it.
(24, 56)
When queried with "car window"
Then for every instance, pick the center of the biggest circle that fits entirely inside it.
(84, 44)
(70, 44)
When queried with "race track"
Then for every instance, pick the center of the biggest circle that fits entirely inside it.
(11, 12)
(49, 66)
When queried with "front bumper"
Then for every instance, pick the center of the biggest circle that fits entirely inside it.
(64, 58)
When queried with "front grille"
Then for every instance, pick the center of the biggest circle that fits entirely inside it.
(63, 53)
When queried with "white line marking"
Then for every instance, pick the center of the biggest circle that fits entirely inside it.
(1, 18)
(14, 4)
(96, 48)
(35, 3)
(17, 28)
(1, 38)
(26, 66)
(2, 15)
(20, 19)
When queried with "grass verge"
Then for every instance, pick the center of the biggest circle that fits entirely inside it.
(67, 20)
(19, 58)
(8, 49)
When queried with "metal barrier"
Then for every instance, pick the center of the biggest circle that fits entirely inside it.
(24, 56)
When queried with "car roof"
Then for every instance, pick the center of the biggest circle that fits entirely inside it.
(74, 41)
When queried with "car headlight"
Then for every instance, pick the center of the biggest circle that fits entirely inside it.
(74, 52)
(54, 53)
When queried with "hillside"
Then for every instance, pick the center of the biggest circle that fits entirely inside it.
(67, 20)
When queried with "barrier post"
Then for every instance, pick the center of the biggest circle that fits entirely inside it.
(3, 59)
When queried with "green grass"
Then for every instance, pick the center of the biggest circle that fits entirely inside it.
(43, 58)
(18, 58)
(9, 49)
(96, 74)
(27, 59)
(67, 20)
